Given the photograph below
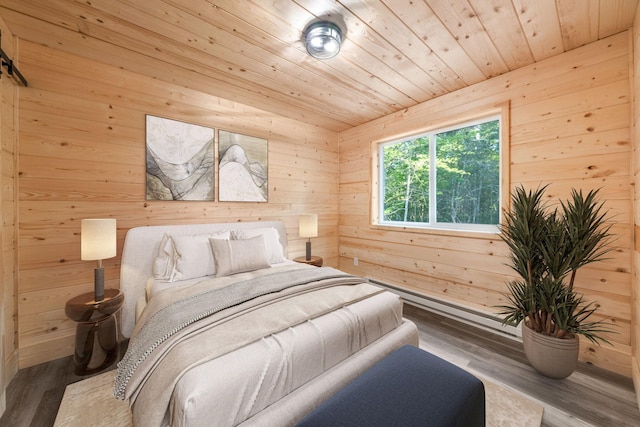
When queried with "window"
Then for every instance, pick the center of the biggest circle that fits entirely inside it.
(463, 190)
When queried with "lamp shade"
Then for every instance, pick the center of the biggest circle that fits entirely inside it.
(309, 225)
(98, 239)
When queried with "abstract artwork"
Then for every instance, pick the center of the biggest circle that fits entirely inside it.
(242, 172)
(180, 160)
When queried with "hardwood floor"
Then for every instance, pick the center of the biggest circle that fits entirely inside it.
(589, 397)
(35, 393)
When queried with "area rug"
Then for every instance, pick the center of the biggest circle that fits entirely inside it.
(509, 408)
(90, 403)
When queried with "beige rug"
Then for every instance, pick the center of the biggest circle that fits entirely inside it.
(509, 408)
(90, 403)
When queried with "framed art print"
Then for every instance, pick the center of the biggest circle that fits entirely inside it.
(180, 160)
(243, 168)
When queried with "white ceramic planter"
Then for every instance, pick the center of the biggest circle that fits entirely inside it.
(552, 357)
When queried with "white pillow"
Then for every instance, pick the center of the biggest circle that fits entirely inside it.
(165, 261)
(194, 257)
(238, 256)
(275, 251)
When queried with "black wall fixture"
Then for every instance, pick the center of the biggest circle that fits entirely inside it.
(12, 70)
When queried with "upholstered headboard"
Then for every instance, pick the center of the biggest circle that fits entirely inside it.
(141, 247)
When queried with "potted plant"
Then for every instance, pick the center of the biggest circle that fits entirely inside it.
(547, 247)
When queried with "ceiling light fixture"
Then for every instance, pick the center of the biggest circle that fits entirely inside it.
(322, 39)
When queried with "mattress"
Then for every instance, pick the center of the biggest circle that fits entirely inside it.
(236, 386)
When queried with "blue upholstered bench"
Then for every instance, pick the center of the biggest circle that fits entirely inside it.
(410, 387)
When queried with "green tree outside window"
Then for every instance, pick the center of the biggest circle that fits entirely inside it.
(464, 188)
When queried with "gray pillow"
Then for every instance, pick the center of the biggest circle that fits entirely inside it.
(238, 256)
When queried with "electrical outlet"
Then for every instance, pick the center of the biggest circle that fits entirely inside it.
(355, 261)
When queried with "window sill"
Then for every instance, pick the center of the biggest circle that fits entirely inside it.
(475, 234)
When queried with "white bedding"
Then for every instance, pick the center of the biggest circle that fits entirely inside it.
(278, 378)
(155, 285)
(243, 383)
(141, 247)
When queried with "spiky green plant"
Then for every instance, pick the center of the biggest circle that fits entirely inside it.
(547, 247)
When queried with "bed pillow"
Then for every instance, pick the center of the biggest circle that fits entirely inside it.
(165, 261)
(239, 256)
(271, 241)
(194, 257)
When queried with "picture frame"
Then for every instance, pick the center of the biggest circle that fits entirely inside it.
(180, 160)
(242, 168)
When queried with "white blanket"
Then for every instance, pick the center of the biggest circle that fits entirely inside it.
(239, 386)
(160, 354)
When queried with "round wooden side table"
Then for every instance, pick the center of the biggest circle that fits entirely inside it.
(97, 345)
(315, 260)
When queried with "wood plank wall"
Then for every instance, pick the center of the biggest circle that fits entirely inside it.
(82, 155)
(635, 318)
(81, 139)
(570, 127)
(8, 330)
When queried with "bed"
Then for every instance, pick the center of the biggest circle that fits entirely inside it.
(224, 330)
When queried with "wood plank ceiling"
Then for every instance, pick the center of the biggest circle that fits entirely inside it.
(397, 53)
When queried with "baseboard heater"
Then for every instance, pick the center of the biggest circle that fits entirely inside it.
(466, 315)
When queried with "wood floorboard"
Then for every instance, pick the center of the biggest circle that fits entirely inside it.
(589, 397)
(50, 399)
(35, 393)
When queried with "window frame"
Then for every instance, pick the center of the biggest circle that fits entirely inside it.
(499, 112)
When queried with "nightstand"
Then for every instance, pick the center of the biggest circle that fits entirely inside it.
(315, 260)
(97, 345)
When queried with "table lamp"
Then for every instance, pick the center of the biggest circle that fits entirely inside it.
(98, 242)
(308, 228)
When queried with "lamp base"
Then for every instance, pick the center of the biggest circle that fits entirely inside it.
(98, 276)
(308, 254)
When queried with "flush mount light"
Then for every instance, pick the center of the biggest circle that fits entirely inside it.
(323, 39)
